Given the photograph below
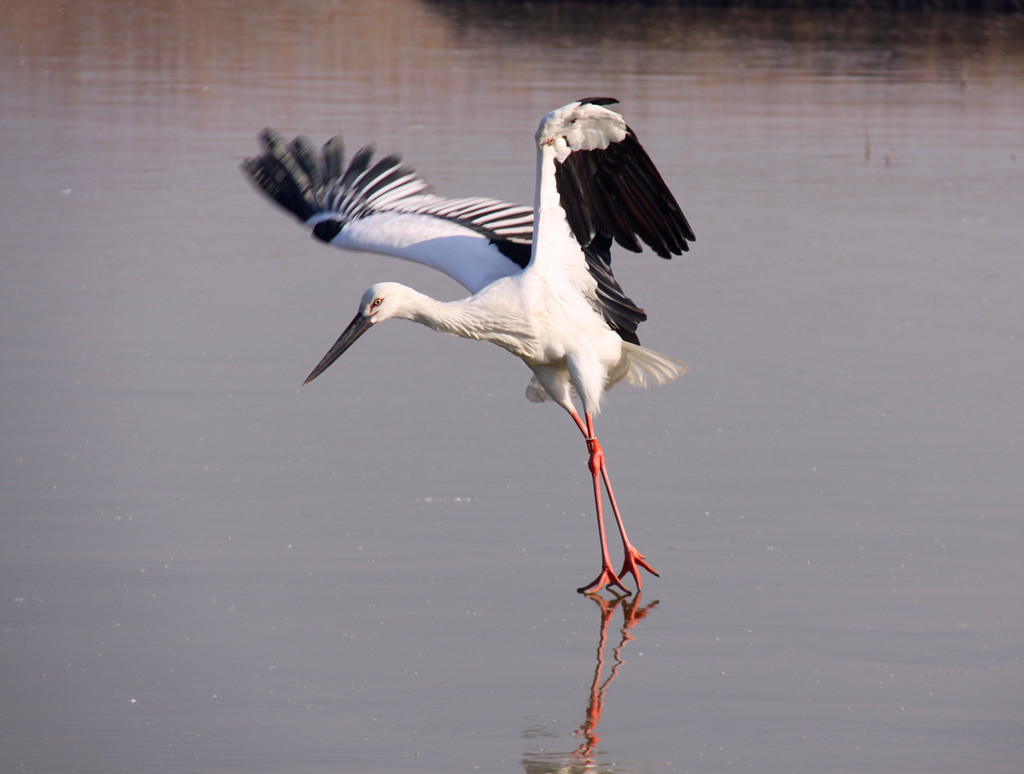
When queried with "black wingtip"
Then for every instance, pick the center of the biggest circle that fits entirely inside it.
(286, 172)
(600, 101)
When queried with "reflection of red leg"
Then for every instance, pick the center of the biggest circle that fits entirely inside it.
(595, 705)
(631, 613)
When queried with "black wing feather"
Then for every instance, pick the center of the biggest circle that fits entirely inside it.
(324, 189)
(618, 310)
(617, 194)
(334, 158)
(305, 156)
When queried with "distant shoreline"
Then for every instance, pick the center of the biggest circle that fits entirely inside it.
(967, 6)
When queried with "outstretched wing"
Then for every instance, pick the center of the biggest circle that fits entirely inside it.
(384, 206)
(596, 178)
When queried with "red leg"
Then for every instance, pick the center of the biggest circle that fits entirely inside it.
(607, 576)
(632, 556)
(633, 559)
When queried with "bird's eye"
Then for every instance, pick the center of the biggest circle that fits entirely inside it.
(377, 302)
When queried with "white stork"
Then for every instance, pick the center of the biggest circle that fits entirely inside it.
(541, 280)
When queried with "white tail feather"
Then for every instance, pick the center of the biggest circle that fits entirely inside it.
(535, 393)
(644, 368)
(648, 368)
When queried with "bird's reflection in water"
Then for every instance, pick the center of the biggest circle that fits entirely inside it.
(582, 759)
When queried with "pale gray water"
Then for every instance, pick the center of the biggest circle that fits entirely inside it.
(205, 568)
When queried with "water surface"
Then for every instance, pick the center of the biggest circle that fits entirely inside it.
(206, 568)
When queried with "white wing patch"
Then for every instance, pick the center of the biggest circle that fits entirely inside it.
(390, 186)
(384, 206)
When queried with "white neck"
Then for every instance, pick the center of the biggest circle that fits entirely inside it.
(471, 318)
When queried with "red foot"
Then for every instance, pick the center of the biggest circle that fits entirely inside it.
(630, 566)
(606, 578)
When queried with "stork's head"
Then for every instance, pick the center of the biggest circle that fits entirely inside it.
(583, 125)
(380, 302)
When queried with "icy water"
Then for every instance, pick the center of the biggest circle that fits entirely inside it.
(205, 568)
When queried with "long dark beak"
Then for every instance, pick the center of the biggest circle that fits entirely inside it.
(359, 325)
